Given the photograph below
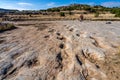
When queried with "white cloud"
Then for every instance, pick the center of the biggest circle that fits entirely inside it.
(17, 5)
(111, 4)
(24, 4)
(51, 4)
(14, 7)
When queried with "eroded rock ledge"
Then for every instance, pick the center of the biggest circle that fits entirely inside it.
(63, 50)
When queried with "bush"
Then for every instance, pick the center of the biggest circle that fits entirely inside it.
(62, 14)
(116, 11)
(117, 14)
(6, 26)
(97, 14)
(70, 13)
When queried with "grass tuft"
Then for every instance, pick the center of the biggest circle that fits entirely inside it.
(6, 26)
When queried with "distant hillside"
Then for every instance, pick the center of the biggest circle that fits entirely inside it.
(87, 8)
(7, 10)
(79, 7)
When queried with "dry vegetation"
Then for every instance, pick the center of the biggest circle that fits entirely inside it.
(40, 17)
(6, 26)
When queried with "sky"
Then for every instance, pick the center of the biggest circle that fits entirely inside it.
(44, 4)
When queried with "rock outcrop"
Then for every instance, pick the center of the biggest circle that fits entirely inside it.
(63, 50)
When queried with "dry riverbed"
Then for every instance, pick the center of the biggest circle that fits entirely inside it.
(61, 50)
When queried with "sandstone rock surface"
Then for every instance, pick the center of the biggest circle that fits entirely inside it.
(60, 50)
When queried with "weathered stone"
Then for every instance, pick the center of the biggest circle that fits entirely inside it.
(67, 51)
(94, 53)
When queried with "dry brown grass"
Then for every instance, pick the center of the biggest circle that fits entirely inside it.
(56, 16)
(6, 26)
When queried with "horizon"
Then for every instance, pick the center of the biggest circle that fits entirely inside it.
(38, 5)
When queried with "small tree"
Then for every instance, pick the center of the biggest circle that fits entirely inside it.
(62, 14)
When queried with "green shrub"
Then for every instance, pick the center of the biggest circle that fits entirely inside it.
(97, 14)
(62, 14)
(70, 13)
(117, 14)
(116, 11)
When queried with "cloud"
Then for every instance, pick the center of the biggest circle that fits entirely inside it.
(51, 4)
(111, 4)
(17, 5)
(24, 4)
